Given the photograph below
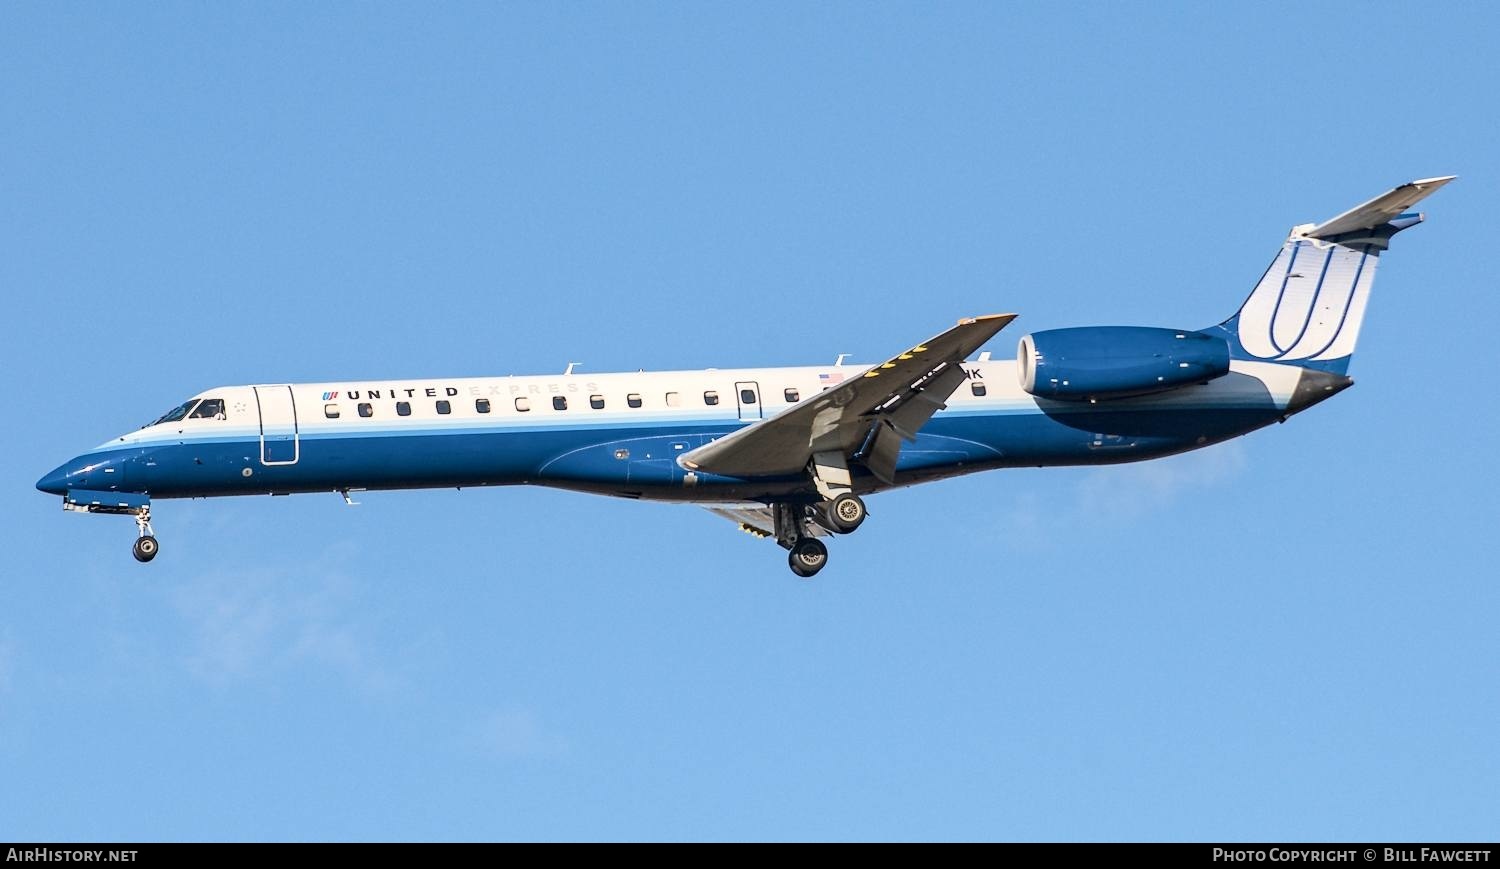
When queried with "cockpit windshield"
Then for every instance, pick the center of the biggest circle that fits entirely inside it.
(209, 408)
(177, 412)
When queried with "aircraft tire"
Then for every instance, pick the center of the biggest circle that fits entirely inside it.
(846, 513)
(145, 549)
(808, 557)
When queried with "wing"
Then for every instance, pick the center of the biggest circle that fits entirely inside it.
(866, 417)
(1381, 209)
(757, 519)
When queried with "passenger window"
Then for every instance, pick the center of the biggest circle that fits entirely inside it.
(482, 405)
(747, 396)
(331, 411)
(523, 404)
(366, 409)
(444, 407)
(710, 398)
(559, 402)
(792, 396)
(976, 387)
(633, 399)
(596, 402)
(403, 408)
(209, 408)
(674, 400)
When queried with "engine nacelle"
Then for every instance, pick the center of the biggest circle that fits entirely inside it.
(1098, 362)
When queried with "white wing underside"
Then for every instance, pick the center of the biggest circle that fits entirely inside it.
(757, 519)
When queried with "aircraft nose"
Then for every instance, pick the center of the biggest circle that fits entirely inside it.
(55, 482)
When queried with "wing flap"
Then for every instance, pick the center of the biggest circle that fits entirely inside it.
(881, 451)
(909, 412)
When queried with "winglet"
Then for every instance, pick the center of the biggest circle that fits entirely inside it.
(968, 321)
(1380, 210)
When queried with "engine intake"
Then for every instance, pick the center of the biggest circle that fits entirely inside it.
(1101, 362)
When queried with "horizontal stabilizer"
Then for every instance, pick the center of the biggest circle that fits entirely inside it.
(1380, 210)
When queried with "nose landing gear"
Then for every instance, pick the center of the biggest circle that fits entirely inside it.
(135, 504)
(145, 547)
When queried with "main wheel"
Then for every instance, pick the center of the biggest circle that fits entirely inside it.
(845, 513)
(145, 549)
(808, 557)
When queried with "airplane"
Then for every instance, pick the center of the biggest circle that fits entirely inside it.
(787, 454)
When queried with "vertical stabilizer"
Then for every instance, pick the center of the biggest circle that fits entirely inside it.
(1309, 305)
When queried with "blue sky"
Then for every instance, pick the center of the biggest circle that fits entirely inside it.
(1290, 636)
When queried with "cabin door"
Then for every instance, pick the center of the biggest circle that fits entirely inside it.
(279, 439)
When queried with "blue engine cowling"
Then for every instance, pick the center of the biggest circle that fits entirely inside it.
(1097, 362)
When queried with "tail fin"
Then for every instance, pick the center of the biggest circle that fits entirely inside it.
(1308, 306)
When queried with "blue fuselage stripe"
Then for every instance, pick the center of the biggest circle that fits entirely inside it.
(639, 459)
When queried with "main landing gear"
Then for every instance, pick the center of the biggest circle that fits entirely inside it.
(145, 547)
(796, 524)
(840, 511)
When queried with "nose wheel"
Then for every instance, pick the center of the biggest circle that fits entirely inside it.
(145, 547)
